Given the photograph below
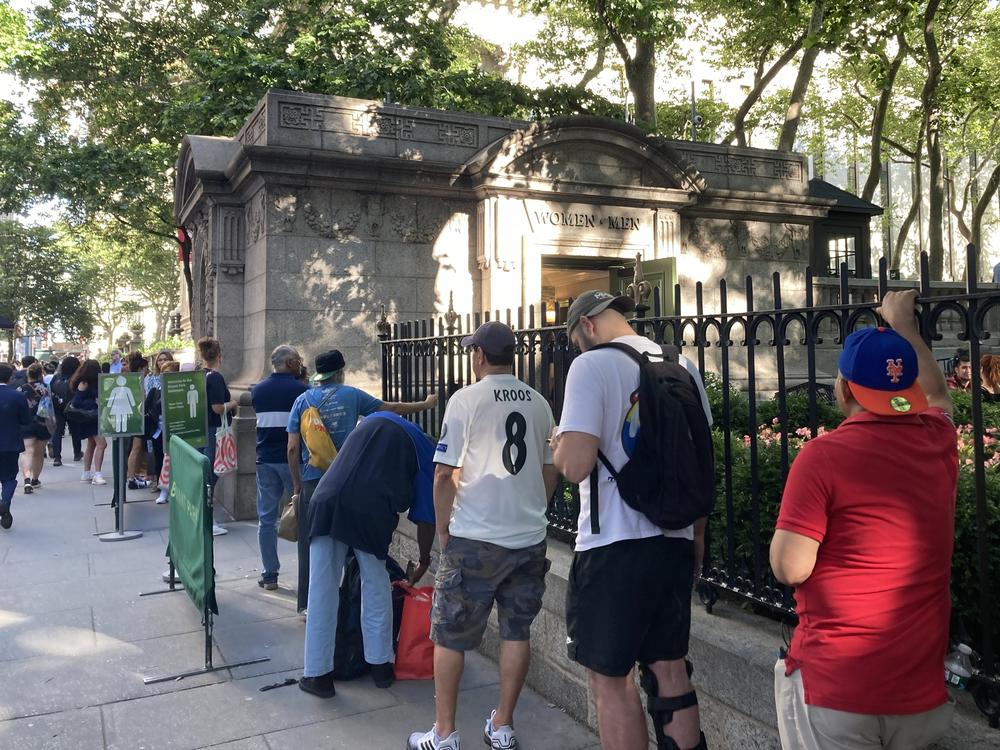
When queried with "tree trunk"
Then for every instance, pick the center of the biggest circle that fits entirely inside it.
(739, 120)
(932, 113)
(641, 74)
(979, 212)
(793, 115)
(878, 120)
(904, 229)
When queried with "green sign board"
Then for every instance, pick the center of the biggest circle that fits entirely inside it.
(185, 407)
(120, 404)
(190, 546)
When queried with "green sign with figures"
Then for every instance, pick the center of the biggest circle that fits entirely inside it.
(185, 407)
(120, 404)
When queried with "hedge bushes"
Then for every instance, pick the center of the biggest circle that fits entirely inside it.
(965, 574)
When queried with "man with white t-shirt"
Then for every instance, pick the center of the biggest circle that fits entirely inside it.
(629, 593)
(493, 480)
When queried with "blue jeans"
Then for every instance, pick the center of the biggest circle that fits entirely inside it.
(273, 480)
(326, 568)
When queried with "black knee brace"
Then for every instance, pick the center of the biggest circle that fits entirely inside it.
(662, 709)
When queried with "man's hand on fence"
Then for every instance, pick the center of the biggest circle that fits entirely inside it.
(431, 401)
(899, 311)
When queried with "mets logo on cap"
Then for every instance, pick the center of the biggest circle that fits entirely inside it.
(881, 367)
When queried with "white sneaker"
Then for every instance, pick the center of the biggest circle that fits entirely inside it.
(161, 499)
(87, 477)
(499, 738)
(430, 741)
(219, 530)
(98, 479)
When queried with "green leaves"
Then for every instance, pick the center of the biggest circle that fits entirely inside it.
(41, 284)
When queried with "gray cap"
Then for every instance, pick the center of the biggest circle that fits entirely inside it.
(494, 338)
(593, 303)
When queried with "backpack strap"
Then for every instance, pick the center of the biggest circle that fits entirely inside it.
(639, 357)
(595, 492)
(595, 519)
(671, 353)
(595, 489)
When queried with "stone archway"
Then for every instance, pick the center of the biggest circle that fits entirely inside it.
(573, 186)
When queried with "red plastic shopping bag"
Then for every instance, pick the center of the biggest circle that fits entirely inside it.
(414, 650)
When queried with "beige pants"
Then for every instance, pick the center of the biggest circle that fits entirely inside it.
(804, 727)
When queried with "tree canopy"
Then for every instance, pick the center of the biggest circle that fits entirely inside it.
(112, 87)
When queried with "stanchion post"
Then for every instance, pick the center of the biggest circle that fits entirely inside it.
(119, 535)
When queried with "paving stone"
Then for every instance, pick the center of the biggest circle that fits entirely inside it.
(250, 743)
(113, 671)
(538, 725)
(228, 711)
(76, 639)
(68, 730)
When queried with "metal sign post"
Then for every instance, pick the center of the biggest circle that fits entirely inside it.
(119, 404)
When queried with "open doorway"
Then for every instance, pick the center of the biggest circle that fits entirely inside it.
(565, 277)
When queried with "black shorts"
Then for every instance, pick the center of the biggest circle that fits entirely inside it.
(630, 602)
(36, 430)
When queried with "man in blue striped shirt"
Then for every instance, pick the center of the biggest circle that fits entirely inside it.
(272, 400)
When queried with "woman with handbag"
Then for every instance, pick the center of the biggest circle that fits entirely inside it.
(82, 416)
(36, 435)
(220, 402)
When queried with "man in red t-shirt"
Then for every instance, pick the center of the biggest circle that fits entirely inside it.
(865, 536)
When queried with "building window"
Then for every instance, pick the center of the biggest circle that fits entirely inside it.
(842, 249)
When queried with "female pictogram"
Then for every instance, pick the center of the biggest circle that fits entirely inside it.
(121, 404)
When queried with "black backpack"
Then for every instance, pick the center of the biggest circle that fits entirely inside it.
(670, 477)
(59, 388)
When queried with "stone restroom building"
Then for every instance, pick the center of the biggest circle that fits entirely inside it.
(322, 209)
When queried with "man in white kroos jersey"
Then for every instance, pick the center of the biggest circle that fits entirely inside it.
(629, 592)
(493, 480)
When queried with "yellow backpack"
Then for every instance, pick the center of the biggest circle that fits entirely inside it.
(322, 451)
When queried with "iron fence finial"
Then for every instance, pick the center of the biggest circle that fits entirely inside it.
(640, 289)
(451, 317)
(382, 327)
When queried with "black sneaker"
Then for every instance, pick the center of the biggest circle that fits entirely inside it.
(35, 483)
(383, 674)
(77, 458)
(321, 687)
(57, 462)
(268, 585)
(28, 489)
(6, 519)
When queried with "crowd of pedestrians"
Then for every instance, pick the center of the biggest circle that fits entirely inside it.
(62, 396)
(865, 666)
(868, 550)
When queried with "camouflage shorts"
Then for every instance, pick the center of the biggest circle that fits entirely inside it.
(472, 575)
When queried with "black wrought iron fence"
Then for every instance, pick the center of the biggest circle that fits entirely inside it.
(769, 374)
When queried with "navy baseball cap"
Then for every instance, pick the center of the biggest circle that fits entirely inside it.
(494, 338)
(882, 368)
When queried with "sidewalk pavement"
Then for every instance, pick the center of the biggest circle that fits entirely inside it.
(76, 640)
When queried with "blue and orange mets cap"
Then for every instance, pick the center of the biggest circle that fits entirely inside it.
(882, 368)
